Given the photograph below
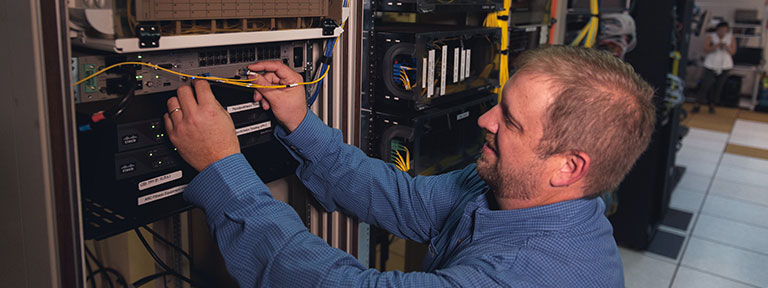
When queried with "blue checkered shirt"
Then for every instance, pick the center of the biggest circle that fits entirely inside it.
(265, 244)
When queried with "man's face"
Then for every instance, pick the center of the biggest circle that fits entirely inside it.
(509, 163)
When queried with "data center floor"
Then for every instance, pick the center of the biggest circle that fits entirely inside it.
(724, 191)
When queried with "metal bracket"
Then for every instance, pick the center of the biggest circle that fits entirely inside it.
(149, 36)
(329, 26)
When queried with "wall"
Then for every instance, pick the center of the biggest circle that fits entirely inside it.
(27, 238)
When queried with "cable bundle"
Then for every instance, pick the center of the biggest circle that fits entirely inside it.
(588, 34)
(326, 65)
(400, 74)
(404, 164)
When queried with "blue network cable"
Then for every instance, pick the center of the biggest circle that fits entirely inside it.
(328, 53)
(329, 45)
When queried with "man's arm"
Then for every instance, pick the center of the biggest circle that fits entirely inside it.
(265, 244)
(263, 241)
(343, 177)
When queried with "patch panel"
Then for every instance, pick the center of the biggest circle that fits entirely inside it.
(421, 67)
(227, 62)
(429, 6)
(437, 139)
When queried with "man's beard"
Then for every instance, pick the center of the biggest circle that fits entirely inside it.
(517, 182)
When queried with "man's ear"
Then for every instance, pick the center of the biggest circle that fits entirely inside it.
(573, 166)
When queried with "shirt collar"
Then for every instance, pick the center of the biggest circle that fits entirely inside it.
(539, 219)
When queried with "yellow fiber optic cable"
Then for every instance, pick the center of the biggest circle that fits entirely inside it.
(237, 82)
(493, 20)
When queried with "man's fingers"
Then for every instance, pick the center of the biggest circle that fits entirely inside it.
(264, 92)
(174, 109)
(186, 100)
(204, 93)
(257, 95)
(272, 77)
(283, 72)
(265, 104)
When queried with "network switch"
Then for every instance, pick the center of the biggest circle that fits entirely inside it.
(131, 174)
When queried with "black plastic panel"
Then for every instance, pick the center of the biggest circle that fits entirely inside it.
(439, 140)
(429, 6)
(444, 65)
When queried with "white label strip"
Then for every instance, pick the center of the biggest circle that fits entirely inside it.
(431, 76)
(455, 64)
(243, 107)
(461, 66)
(143, 185)
(462, 115)
(162, 194)
(466, 66)
(443, 68)
(424, 73)
(253, 128)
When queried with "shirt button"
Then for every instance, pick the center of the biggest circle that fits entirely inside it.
(458, 242)
(293, 148)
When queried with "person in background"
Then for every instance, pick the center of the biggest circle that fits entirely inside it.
(719, 48)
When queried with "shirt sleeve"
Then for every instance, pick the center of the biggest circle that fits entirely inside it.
(342, 177)
(265, 244)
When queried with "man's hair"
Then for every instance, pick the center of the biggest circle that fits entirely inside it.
(601, 107)
(721, 24)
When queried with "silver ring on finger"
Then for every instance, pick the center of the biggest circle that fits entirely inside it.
(174, 110)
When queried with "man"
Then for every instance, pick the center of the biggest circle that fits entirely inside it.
(571, 123)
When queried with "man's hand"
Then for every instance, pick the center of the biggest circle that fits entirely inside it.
(202, 130)
(288, 104)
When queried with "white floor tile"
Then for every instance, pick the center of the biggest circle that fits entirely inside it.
(708, 145)
(689, 278)
(644, 271)
(700, 168)
(745, 192)
(695, 182)
(733, 233)
(750, 133)
(736, 210)
(741, 175)
(744, 162)
(687, 200)
(692, 154)
(725, 261)
(756, 127)
(704, 134)
(749, 140)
